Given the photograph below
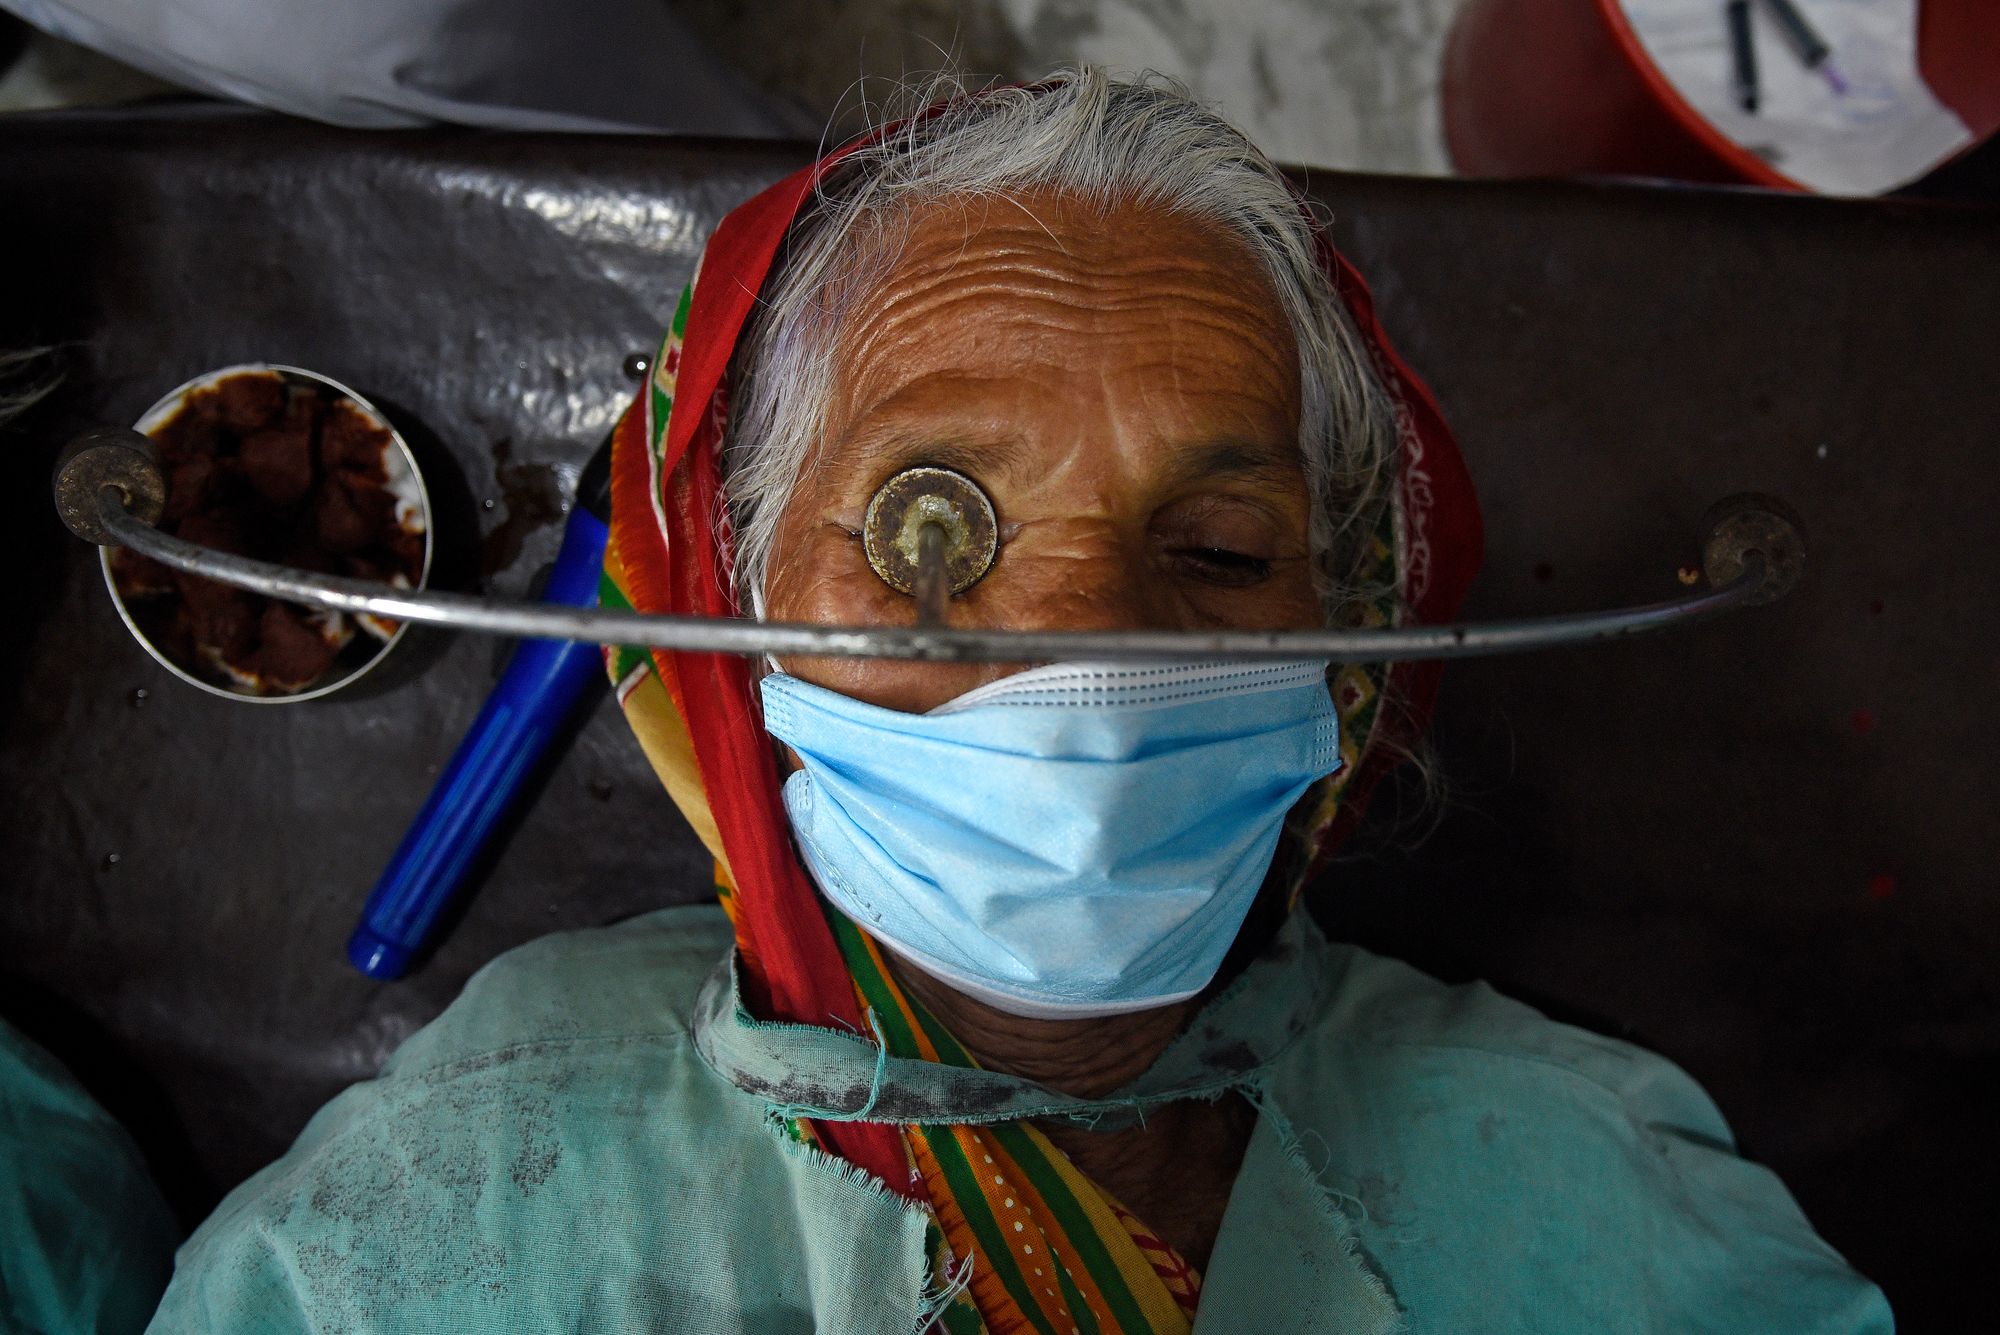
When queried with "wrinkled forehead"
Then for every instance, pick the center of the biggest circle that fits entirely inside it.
(1008, 310)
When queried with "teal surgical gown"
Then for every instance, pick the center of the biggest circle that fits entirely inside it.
(591, 1139)
(86, 1240)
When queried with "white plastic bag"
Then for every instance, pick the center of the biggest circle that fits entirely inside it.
(605, 65)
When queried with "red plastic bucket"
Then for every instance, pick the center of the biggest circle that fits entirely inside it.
(1563, 88)
(1958, 50)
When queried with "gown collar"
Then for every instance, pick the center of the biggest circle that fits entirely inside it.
(835, 1075)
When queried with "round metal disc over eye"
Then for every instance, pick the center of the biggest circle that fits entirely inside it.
(919, 498)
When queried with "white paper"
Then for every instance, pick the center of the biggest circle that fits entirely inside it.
(1886, 131)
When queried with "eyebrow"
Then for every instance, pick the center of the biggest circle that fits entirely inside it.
(1248, 460)
(895, 448)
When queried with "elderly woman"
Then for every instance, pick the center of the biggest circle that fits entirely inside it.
(1009, 1025)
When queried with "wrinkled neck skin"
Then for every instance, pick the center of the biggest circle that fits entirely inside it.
(1174, 1171)
(1086, 1058)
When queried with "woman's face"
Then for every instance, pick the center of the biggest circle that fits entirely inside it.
(1124, 387)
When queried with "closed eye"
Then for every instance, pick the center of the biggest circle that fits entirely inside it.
(1220, 565)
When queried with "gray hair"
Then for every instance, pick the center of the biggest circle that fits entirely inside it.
(1107, 142)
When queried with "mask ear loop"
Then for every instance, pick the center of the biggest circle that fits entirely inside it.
(757, 610)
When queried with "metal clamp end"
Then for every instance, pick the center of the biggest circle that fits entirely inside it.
(115, 457)
(1749, 525)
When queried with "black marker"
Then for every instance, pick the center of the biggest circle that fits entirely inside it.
(1805, 41)
(1742, 54)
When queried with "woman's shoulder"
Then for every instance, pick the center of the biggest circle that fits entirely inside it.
(634, 981)
(1461, 1071)
(1491, 1155)
(552, 1143)
(1384, 1011)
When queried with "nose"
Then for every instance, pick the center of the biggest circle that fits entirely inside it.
(1034, 584)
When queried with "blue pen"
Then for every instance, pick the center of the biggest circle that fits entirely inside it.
(526, 711)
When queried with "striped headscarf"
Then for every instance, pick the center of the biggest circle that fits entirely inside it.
(1021, 1241)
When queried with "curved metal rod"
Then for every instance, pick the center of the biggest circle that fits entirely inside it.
(459, 611)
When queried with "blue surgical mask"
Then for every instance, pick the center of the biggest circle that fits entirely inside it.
(1074, 840)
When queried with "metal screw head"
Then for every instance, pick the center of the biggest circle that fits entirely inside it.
(917, 498)
(116, 457)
